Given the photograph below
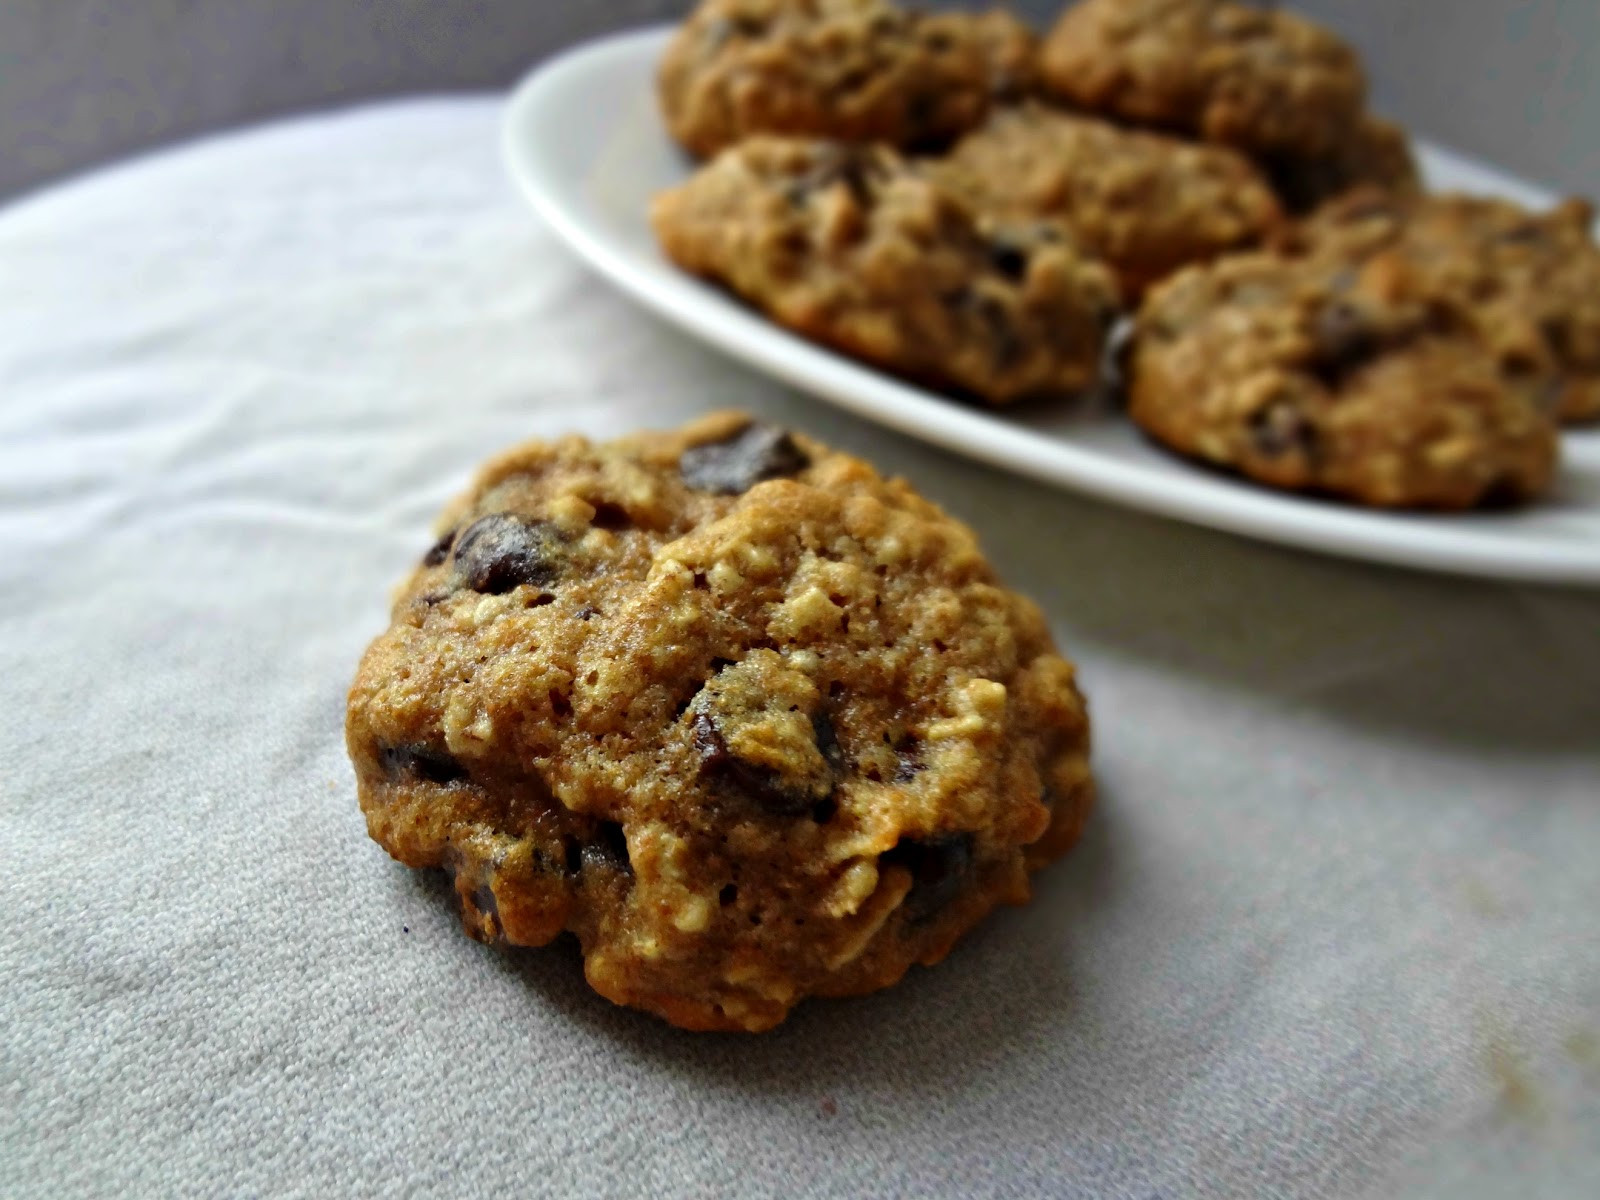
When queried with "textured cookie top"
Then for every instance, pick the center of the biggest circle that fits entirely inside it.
(1528, 283)
(856, 70)
(854, 247)
(1145, 203)
(1321, 376)
(1263, 80)
(751, 720)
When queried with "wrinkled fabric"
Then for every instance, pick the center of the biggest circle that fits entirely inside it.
(1332, 930)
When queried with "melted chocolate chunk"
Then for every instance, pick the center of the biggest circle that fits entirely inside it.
(909, 764)
(761, 785)
(420, 762)
(607, 850)
(1281, 429)
(1344, 338)
(828, 741)
(1529, 233)
(483, 901)
(995, 322)
(439, 551)
(1009, 257)
(724, 29)
(733, 466)
(611, 516)
(503, 551)
(939, 868)
(857, 169)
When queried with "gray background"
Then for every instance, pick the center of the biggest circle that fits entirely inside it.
(1514, 81)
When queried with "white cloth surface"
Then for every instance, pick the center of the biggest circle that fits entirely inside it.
(1334, 930)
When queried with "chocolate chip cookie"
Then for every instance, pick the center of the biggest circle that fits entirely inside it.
(1145, 203)
(854, 247)
(855, 70)
(1262, 80)
(1344, 380)
(751, 721)
(1528, 282)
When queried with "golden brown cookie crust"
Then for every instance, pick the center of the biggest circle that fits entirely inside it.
(856, 248)
(853, 70)
(1529, 283)
(750, 720)
(1319, 376)
(1264, 81)
(1145, 203)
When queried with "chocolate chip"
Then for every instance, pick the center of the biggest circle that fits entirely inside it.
(1280, 429)
(1343, 338)
(439, 551)
(1527, 234)
(1009, 258)
(854, 167)
(938, 867)
(483, 901)
(503, 551)
(724, 29)
(859, 170)
(1557, 333)
(610, 516)
(736, 464)
(1503, 492)
(828, 741)
(995, 320)
(908, 764)
(761, 785)
(923, 121)
(607, 849)
(420, 762)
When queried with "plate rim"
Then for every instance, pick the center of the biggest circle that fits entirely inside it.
(1236, 507)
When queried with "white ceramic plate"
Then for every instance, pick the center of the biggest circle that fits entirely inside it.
(584, 142)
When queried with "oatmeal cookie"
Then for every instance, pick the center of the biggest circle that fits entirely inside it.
(1262, 80)
(1323, 377)
(751, 721)
(854, 70)
(854, 247)
(1496, 265)
(1145, 203)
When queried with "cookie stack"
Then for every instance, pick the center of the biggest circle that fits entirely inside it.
(954, 200)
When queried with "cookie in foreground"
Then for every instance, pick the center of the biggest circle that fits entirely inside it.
(855, 70)
(1335, 378)
(859, 249)
(751, 721)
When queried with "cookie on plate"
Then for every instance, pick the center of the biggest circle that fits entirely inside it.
(1496, 265)
(856, 248)
(1325, 377)
(854, 70)
(1262, 80)
(1145, 203)
(750, 720)
(1375, 154)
